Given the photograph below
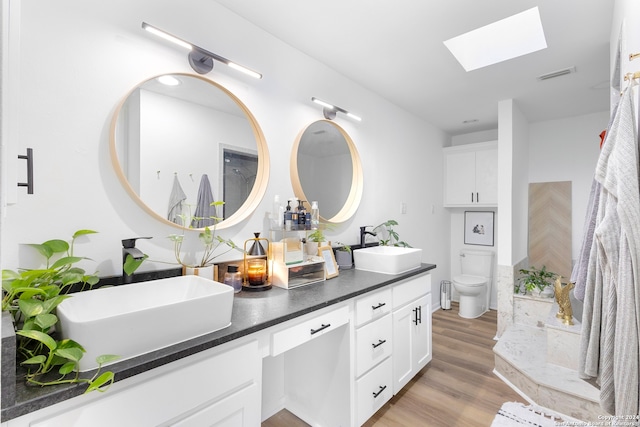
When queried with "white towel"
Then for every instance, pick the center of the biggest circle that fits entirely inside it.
(176, 199)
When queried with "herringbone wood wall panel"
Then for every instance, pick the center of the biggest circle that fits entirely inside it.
(550, 226)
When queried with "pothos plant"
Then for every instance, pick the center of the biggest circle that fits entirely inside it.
(208, 237)
(534, 279)
(31, 296)
(388, 236)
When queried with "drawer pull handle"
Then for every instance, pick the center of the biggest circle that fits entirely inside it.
(415, 312)
(321, 328)
(375, 307)
(380, 342)
(382, 388)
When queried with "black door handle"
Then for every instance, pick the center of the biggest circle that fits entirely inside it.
(380, 342)
(382, 388)
(321, 328)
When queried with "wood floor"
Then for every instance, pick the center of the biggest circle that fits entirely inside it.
(458, 387)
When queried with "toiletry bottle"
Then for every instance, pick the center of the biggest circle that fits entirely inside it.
(288, 217)
(233, 278)
(302, 216)
(315, 215)
(277, 214)
(294, 215)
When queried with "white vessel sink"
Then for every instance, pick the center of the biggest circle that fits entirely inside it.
(130, 320)
(387, 259)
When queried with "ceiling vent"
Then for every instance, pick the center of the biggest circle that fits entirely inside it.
(558, 73)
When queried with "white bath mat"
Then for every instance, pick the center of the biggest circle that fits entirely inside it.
(513, 414)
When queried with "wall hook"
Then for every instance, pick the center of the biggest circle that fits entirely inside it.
(29, 158)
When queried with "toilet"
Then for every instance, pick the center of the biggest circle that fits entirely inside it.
(474, 284)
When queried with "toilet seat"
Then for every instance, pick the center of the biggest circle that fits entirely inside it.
(470, 281)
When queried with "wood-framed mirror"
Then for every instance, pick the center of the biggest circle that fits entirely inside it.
(325, 167)
(171, 142)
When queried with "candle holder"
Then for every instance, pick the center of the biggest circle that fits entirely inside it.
(256, 272)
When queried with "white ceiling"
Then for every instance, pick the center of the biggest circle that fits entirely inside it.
(395, 48)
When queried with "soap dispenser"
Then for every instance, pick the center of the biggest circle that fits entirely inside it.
(302, 216)
(315, 215)
(233, 278)
(288, 216)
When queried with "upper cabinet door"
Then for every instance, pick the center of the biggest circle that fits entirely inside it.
(460, 177)
(471, 175)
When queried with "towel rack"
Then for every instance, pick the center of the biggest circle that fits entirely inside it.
(29, 158)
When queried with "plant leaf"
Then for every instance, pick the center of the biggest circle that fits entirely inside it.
(68, 260)
(67, 368)
(52, 303)
(68, 343)
(83, 232)
(30, 307)
(131, 264)
(101, 383)
(46, 320)
(56, 246)
(73, 353)
(36, 360)
(44, 250)
(39, 336)
(106, 358)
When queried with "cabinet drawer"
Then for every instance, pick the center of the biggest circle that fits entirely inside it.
(181, 387)
(411, 289)
(373, 344)
(308, 329)
(373, 390)
(373, 306)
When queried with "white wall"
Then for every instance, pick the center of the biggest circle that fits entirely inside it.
(567, 150)
(78, 60)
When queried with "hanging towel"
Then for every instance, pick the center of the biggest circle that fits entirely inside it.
(204, 210)
(176, 198)
(611, 319)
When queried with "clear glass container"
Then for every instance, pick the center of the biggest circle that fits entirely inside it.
(233, 278)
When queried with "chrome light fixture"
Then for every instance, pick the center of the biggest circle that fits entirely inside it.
(201, 60)
(330, 110)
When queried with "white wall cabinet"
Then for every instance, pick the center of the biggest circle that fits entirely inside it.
(411, 329)
(471, 175)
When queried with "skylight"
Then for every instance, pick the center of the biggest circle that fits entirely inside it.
(506, 39)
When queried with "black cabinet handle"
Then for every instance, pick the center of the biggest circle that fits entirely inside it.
(471, 197)
(477, 197)
(419, 308)
(415, 318)
(375, 307)
(382, 388)
(380, 342)
(321, 328)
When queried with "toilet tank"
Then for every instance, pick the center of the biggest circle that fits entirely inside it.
(476, 262)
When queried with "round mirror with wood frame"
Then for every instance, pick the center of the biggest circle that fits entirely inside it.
(325, 167)
(186, 136)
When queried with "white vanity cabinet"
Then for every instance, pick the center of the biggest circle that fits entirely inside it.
(411, 329)
(471, 175)
(373, 350)
(217, 387)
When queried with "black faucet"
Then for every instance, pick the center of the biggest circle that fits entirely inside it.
(129, 248)
(363, 233)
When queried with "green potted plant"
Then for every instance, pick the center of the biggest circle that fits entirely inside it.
(211, 244)
(31, 298)
(314, 240)
(387, 236)
(344, 256)
(537, 281)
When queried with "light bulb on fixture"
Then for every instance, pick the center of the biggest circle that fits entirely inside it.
(329, 110)
(201, 60)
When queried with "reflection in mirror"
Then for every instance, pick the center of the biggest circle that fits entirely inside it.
(325, 166)
(177, 148)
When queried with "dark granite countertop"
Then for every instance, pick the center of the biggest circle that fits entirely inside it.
(252, 312)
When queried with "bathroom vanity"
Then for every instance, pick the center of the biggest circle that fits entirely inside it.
(331, 352)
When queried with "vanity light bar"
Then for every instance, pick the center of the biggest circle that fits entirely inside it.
(203, 54)
(334, 108)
